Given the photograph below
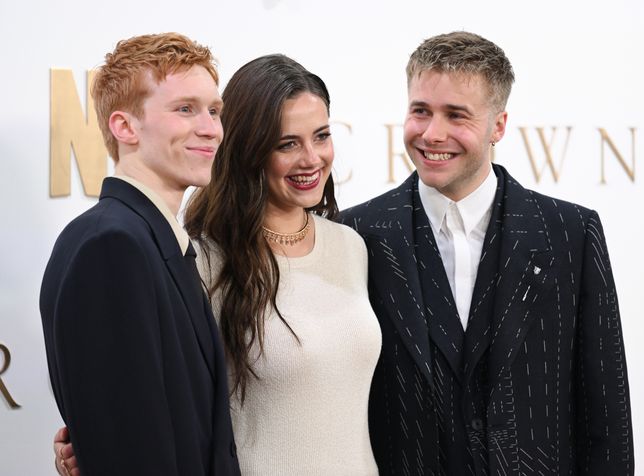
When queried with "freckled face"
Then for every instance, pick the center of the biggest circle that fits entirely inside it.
(180, 129)
(301, 164)
(448, 130)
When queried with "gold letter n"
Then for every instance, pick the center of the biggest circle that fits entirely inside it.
(605, 138)
(69, 128)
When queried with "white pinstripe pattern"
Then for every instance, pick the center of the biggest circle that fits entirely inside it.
(538, 384)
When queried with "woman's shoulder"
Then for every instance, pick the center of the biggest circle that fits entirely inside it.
(339, 235)
(335, 228)
(209, 260)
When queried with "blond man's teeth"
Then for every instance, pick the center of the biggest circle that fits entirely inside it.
(430, 156)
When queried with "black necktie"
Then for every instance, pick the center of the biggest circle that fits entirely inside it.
(191, 263)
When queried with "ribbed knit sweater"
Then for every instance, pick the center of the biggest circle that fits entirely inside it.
(307, 412)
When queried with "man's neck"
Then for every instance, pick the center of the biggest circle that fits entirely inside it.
(171, 197)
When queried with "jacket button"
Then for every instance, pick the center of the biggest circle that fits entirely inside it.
(233, 449)
(477, 424)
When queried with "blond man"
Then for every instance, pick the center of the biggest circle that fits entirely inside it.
(502, 349)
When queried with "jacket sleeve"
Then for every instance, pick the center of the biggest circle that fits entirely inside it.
(108, 349)
(604, 440)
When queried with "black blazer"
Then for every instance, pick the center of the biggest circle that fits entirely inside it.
(135, 358)
(537, 384)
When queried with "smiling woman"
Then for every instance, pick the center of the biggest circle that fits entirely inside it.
(301, 164)
(289, 287)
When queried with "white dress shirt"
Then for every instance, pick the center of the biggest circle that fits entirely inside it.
(459, 229)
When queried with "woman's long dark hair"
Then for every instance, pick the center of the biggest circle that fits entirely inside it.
(230, 210)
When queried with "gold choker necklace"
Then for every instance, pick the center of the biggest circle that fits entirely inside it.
(288, 238)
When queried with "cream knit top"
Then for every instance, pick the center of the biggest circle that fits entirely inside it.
(307, 413)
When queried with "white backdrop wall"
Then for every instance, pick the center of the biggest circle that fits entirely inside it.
(577, 64)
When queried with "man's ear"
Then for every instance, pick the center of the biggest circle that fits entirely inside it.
(121, 125)
(498, 129)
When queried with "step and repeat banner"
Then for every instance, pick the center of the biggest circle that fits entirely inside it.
(575, 131)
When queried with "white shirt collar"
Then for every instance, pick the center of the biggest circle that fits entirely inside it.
(473, 208)
(435, 205)
(182, 237)
(477, 204)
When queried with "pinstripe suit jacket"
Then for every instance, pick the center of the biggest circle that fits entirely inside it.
(537, 384)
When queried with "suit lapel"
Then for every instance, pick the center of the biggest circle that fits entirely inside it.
(445, 328)
(393, 272)
(523, 278)
(411, 280)
(478, 335)
(187, 280)
(182, 275)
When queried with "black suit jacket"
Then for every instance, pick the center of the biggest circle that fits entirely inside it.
(134, 354)
(537, 384)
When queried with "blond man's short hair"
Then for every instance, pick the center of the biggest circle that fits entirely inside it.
(465, 53)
